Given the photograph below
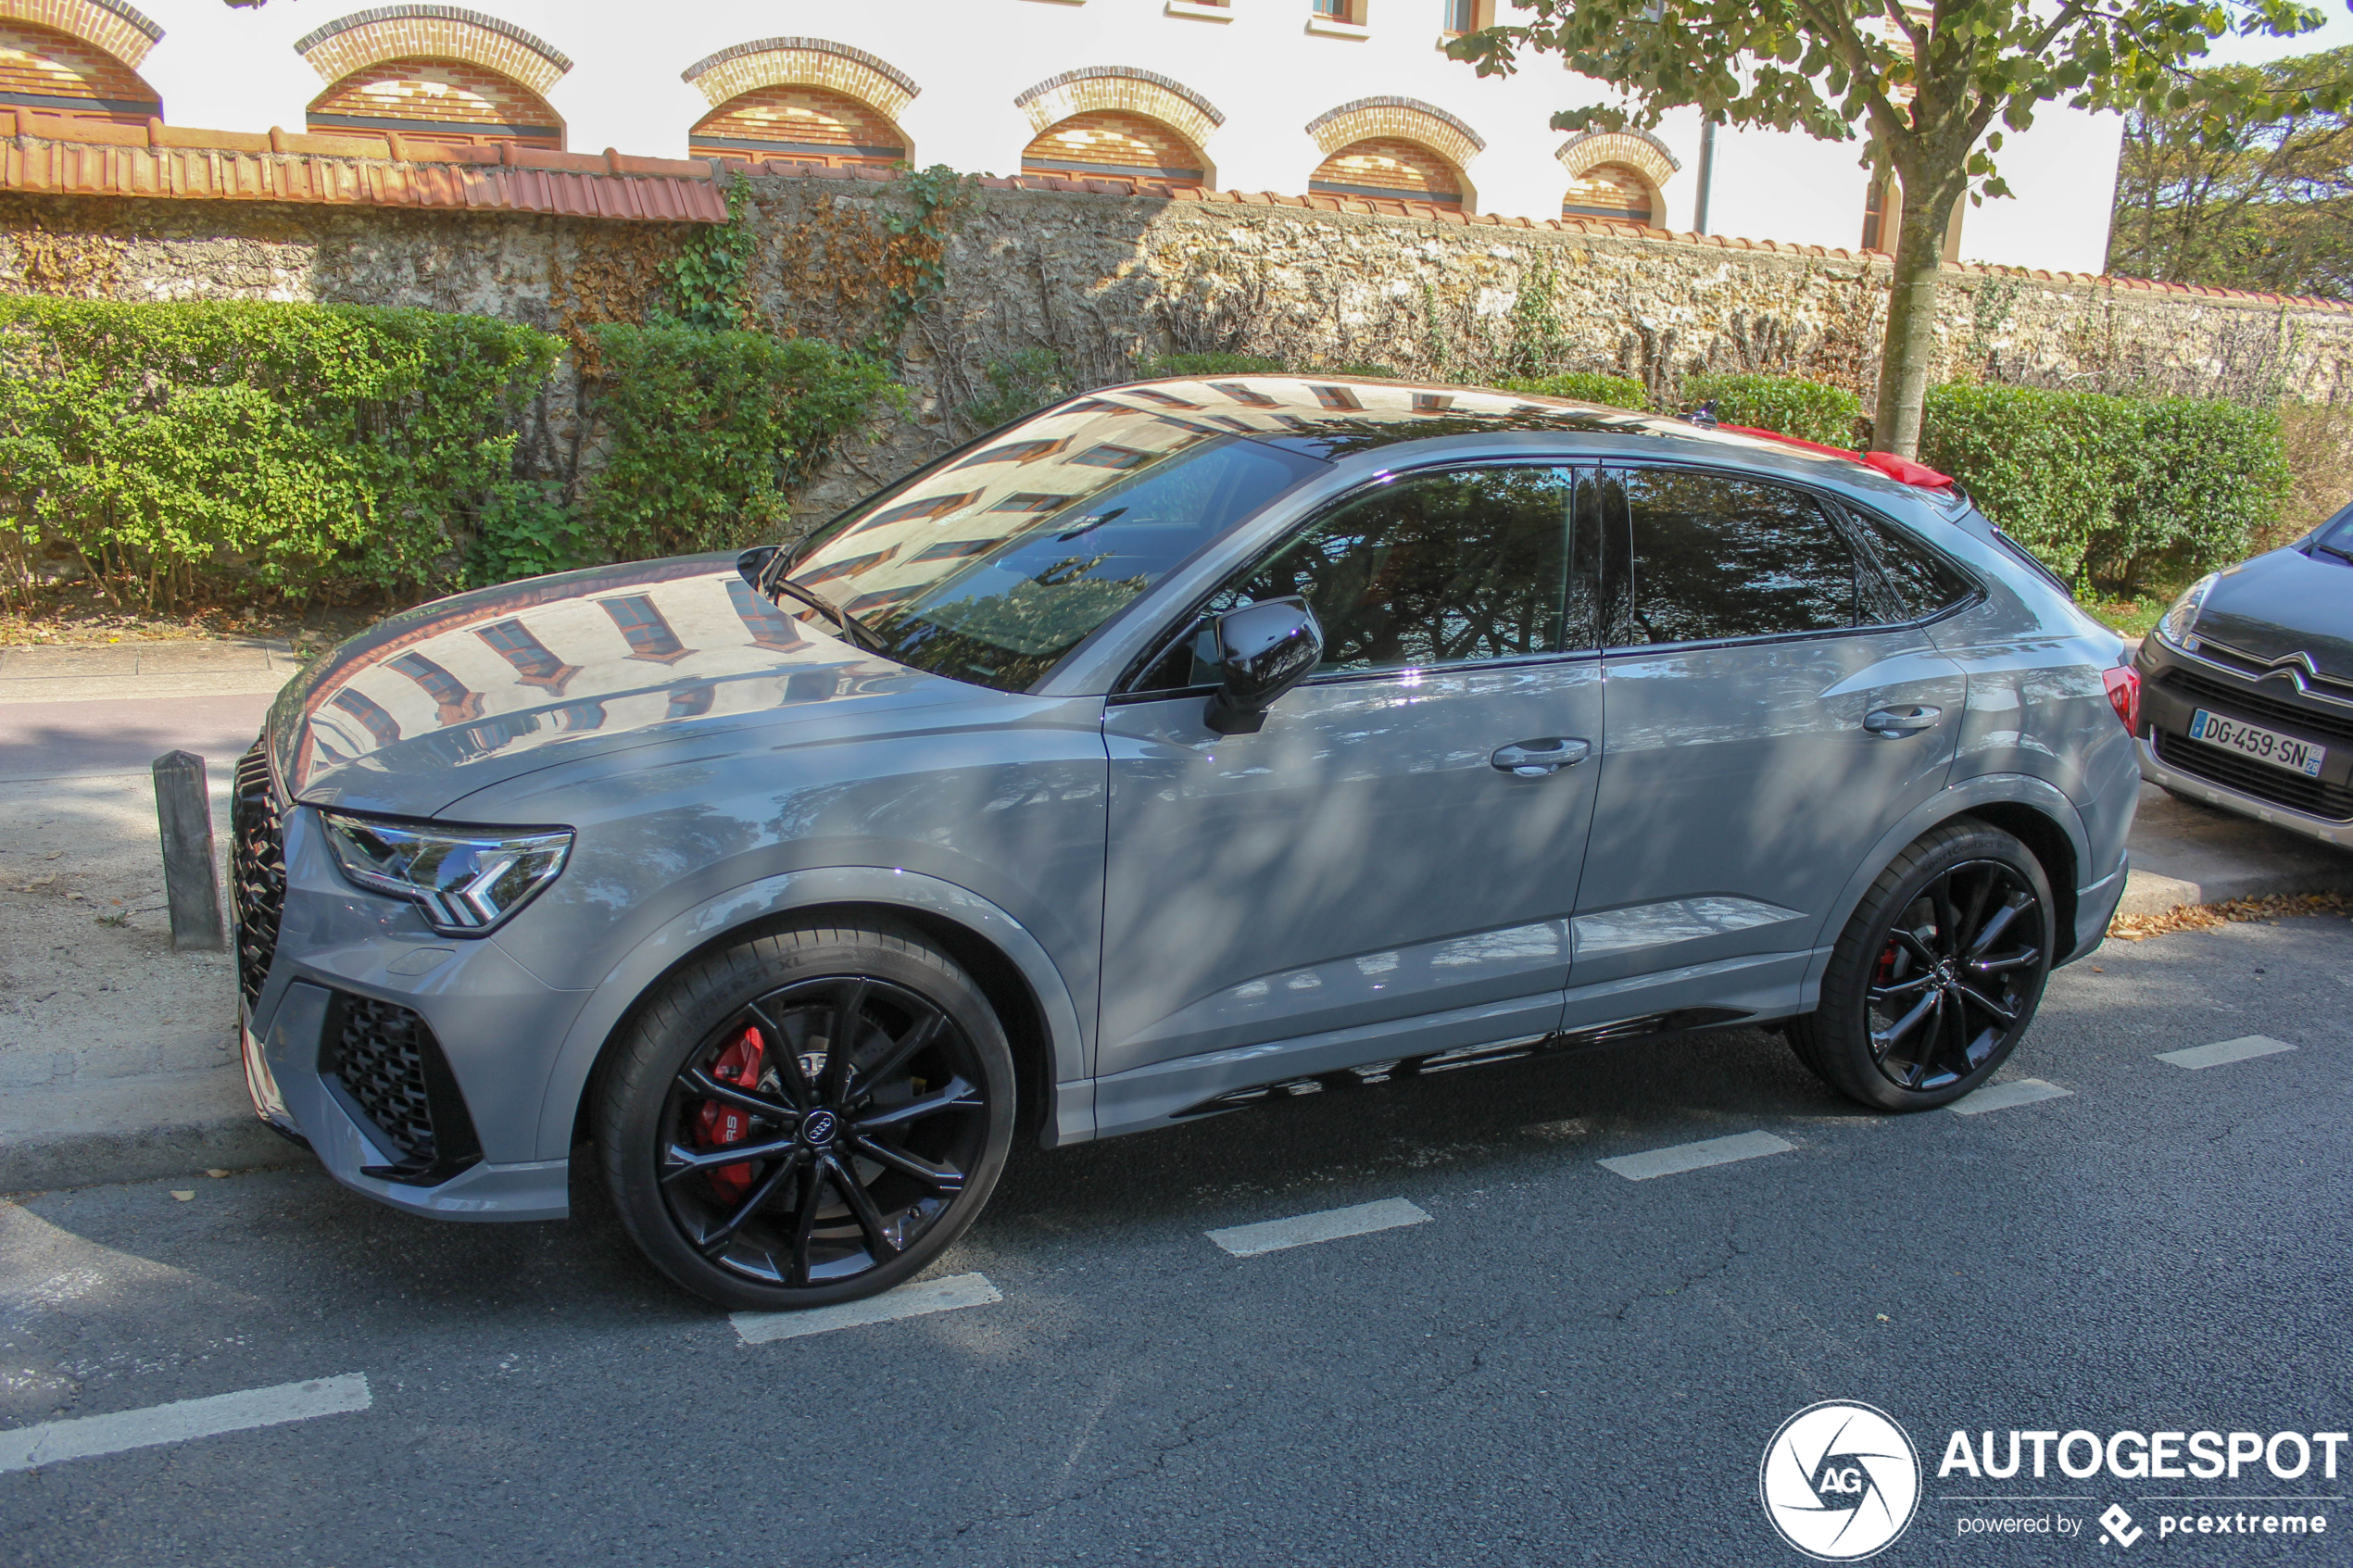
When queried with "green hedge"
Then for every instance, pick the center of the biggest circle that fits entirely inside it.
(707, 432)
(311, 443)
(1584, 386)
(2113, 492)
(1787, 404)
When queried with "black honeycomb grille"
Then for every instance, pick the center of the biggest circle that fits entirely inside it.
(2277, 785)
(385, 1058)
(256, 871)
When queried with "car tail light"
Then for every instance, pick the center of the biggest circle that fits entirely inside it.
(2124, 695)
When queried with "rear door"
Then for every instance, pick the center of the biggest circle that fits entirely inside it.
(1767, 726)
(1373, 856)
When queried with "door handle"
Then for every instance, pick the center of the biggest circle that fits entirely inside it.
(1898, 722)
(1534, 758)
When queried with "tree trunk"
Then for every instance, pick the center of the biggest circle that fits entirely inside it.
(1910, 346)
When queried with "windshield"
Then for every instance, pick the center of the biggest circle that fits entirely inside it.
(2336, 535)
(996, 561)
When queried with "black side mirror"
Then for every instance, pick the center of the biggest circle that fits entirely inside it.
(753, 565)
(1264, 650)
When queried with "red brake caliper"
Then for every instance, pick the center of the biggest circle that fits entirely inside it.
(718, 1126)
(1887, 962)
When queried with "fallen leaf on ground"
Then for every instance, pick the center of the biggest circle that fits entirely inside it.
(2205, 916)
(183, 1197)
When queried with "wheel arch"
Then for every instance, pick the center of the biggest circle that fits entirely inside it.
(1012, 969)
(2034, 811)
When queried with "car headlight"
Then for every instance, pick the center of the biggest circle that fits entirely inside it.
(466, 879)
(2175, 627)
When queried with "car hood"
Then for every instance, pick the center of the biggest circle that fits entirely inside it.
(2283, 603)
(455, 696)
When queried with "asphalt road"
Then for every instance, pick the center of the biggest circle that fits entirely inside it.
(1561, 1366)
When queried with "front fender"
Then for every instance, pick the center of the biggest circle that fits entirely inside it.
(1073, 1119)
(1985, 789)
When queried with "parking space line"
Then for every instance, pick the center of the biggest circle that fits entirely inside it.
(2001, 1097)
(1677, 1158)
(907, 1301)
(2225, 1051)
(90, 1436)
(1330, 1225)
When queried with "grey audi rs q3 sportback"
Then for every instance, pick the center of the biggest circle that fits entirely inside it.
(1183, 744)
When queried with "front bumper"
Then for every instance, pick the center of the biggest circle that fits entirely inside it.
(479, 1035)
(2339, 834)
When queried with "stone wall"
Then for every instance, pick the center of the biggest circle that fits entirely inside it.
(1056, 290)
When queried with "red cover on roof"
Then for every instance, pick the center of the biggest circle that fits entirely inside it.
(1902, 470)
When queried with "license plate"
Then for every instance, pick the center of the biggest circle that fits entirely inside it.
(2253, 740)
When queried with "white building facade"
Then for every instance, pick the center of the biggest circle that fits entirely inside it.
(1349, 99)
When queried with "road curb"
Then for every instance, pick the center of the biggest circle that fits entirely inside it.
(88, 1135)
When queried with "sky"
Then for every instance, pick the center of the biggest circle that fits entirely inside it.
(2256, 50)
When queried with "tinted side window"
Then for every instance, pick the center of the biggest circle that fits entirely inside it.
(1444, 569)
(1717, 557)
(1921, 582)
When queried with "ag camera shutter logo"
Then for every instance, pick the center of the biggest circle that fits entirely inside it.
(1840, 1481)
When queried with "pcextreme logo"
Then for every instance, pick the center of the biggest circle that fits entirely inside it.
(1840, 1481)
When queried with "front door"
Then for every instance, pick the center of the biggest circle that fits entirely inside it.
(1770, 716)
(1379, 853)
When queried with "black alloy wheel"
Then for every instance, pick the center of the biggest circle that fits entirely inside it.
(1938, 974)
(828, 1129)
(1961, 968)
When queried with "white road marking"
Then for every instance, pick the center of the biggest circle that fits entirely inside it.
(1677, 1158)
(2225, 1051)
(1330, 1225)
(88, 1436)
(907, 1301)
(2001, 1097)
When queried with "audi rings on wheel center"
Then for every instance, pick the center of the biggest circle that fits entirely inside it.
(818, 1129)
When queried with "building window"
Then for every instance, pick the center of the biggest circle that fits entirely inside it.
(1468, 16)
(1611, 191)
(648, 635)
(770, 627)
(1875, 205)
(59, 74)
(535, 664)
(802, 124)
(456, 705)
(1108, 143)
(1389, 167)
(1338, 10)
(447, 103)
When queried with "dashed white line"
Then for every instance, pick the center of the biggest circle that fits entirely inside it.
(1677, 1158)
(2001, 1097)
(90, 1436)
(2225, 1051)
(907, 1301)
(1330, 1225)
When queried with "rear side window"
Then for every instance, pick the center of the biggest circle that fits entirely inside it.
(1913, 582)
(1716, 557)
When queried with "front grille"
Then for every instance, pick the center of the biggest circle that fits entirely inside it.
(385, 1058)
(2240, 702)
(2247, 776)
(257, 870)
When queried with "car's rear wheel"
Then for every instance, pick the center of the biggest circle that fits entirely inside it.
(808, 1117)
(1937, 974)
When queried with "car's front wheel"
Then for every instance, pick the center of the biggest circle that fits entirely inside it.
(1937, 974)
(808, 1117)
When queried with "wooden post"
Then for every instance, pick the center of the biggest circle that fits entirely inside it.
(183, 811)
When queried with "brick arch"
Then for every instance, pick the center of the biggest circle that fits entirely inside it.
(1618, 175)
(431, 32)
(817, 63)
(109, 25)
(444, 101)
(1122, 89)
(1637, 150)
(61, 73)
(1407, 120)
(804, 124)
